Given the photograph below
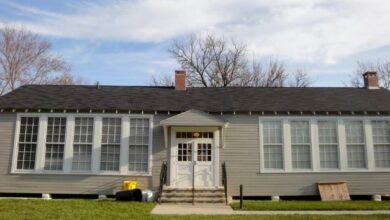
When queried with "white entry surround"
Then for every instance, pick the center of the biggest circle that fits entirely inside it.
(203, 152)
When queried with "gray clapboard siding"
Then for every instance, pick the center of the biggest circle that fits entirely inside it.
(72, 184)
(241, 154)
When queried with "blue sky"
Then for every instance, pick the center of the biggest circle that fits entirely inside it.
(125, 42)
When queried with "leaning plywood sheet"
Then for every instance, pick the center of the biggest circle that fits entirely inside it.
(331, 191)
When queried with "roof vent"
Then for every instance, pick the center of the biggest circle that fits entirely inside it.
(180, 80)
(371, 80)
(97, 85)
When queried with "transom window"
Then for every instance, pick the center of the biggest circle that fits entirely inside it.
(28, 137)
(204, 152)
(354, 131)
(111, 140)
(195, 134)
(300, 145)
(381, 139)
(139, 144)
(184, 152)
(273, 145)
(55, 143)
(82, 144)
(328, 143)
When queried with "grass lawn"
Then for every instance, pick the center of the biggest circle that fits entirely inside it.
(93, 209)
(313, 205)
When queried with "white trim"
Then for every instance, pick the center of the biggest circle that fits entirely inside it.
(68, 150)
(315, 154)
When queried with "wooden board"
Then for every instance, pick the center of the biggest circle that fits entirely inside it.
(332, 191)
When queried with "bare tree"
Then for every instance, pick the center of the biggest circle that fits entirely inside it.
(162, 80)
(381, 67)
(299, 78)
(25, 58)
(212, 61)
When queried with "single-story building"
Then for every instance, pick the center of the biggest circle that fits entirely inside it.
(88, 139)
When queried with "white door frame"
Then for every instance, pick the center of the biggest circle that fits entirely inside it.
(215, 151)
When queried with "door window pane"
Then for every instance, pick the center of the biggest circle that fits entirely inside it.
(204, 152)
(184, 152)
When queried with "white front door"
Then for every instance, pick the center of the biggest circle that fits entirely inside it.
(193, 158)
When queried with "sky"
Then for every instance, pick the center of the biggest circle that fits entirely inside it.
(120, 42)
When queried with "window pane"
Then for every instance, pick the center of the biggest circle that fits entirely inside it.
(354, 131)
(139, 144)
(55, 142)
(110, 150)
(382, 156)
(356, 156)
(381, 132)
(204, 152)
(272, 132)
(300, 133)
(327, 135)
(329, 156)
(300, 144)
(82, 145)
(28, 134)
(273, 157)
(301, 158)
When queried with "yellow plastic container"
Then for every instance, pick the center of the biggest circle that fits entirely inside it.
(129, 185)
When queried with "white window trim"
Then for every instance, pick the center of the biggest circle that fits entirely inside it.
(343, 166)
(68, 151)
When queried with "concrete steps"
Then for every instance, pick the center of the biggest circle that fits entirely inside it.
(174, 195)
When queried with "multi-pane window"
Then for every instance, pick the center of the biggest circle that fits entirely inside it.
(28, 136)
(184, 152)
(82, 144)
(381, 138)
(328, 143)
(139, 144)
(195, 134)
(111, 140)
(300, 144)
(55, 143)
(204, 152)
(273, 145)
(354, 131)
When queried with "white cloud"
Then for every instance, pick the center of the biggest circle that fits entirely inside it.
(298, 30)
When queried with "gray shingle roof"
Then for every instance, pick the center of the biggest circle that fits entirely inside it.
(205, 99)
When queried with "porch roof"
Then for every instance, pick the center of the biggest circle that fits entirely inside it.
(194, 117)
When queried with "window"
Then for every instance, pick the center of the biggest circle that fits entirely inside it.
(139, 144)
(273, 145)
(381, 138)
(328, 143)
(82, 144)
(55, 143)
(28, 135)
(204, 152)
(355, 140)
(111, 140)
(300, 145)
(184, 152)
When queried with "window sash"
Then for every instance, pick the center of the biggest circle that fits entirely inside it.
(110, 146)
(55, 143)
(328, 144)
(27, 146)
(139, 145)
(82, 144)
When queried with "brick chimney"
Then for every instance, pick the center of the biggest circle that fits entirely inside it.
(371, 80)
(180, 80)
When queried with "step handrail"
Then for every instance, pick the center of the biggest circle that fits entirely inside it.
(224, 180)
(163, 179)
